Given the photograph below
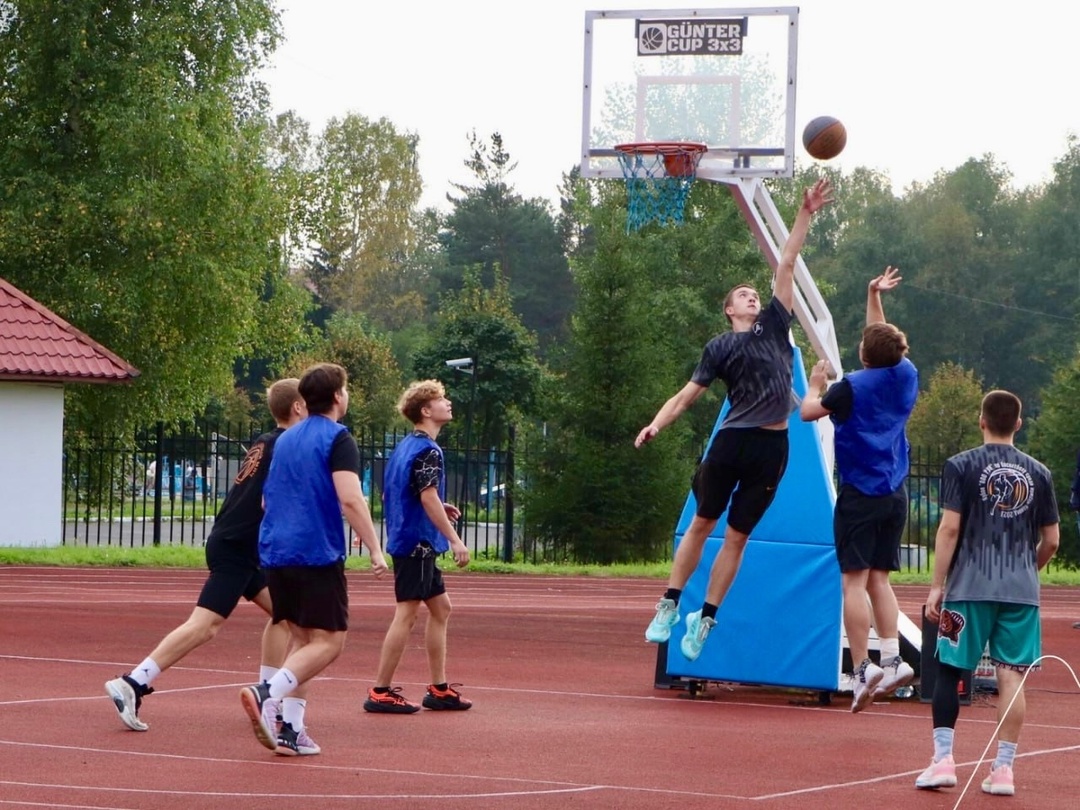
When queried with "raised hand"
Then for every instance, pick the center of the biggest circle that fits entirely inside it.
(818, 195)
(889, 280)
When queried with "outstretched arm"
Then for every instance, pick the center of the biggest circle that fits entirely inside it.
(811, 408)
(814, 199)
(888, 280)
(670, 411)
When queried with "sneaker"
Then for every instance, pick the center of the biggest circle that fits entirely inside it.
(667, 616)
(1000, 781)
(127, 694)
(273, 709)
(262, 712)
(293, 743)
(867, 677)
(897, 673)
(448, 698)
(305, 746)
(697, 630)
(939, 774)
(287, 741)
(390, 702)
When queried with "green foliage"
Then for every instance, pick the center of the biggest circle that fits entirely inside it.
(946, 416)
(479, 322)
(492, 227)
(374, 376)
(366, 187)
(1054, 439)
(136, 204)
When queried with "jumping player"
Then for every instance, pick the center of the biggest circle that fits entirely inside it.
(748, 455)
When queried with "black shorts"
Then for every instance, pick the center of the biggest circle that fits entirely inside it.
(314, 597)
(234, 573)
(416, 577)
(744, 466)
(868, 529)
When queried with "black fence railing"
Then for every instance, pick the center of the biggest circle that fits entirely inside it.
(164, 487)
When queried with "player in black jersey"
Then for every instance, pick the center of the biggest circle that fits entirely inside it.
(232, 555)
(998, 529)
(748, 455)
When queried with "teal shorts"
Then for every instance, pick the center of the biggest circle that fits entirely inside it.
(1013, 633)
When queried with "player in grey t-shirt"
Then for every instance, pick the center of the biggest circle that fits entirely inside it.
(999, 527)
(747, 457)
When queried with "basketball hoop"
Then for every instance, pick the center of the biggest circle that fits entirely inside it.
(658, 175)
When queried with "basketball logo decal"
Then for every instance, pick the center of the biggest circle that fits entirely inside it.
(651, 39)
(950, 626)
(1007, 489)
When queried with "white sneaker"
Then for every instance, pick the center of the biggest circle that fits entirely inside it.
(127, 699)
(897, 673)
(867, 677)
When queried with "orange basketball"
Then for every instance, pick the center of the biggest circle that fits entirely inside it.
(824, 137)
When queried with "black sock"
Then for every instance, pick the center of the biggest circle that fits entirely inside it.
(441, 687)
(381, 690)
(708, 610)
(673, 594)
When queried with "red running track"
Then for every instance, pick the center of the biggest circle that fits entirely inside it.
(565, 714)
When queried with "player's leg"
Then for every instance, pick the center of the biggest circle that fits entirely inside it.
(313, 601)
(856, 527)
(758, 457)
(220, 594)
(409, 589)
(440, 694)
(712, 487)
(1015, 645)
(963, 630)
(893, 512)
(275, 638)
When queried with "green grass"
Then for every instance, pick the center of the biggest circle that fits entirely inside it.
(193, 557)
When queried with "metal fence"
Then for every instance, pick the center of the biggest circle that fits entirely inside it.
(165, 487)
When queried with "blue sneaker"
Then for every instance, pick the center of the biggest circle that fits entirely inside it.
(667, 616)
(697, 630)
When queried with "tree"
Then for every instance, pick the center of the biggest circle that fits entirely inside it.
(136, 201)
(946, 416)
(479, 322)
(493, 227)
(374, 376)
(367, 185)
(1054, 439)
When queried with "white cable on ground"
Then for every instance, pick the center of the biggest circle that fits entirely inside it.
(993, 737)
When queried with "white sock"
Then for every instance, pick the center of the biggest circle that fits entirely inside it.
(283, 683)
(266, 673)
(890, 649)
(943, 742)
(292, 712)
(1006, 754)
(145, 672)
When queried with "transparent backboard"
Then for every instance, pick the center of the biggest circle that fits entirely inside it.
(722, 77)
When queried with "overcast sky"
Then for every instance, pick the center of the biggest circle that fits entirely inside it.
(921, 86)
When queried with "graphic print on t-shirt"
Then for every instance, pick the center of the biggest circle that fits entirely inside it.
(1007, 489)
(250, 465)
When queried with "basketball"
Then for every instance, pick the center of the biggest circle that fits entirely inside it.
(824, 137)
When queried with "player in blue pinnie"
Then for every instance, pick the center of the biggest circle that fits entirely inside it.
(419, 528)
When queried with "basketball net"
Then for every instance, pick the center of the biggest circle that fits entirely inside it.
(659, 177)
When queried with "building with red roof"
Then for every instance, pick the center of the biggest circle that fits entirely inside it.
(40, 352)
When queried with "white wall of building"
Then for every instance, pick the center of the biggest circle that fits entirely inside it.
(31, 464)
